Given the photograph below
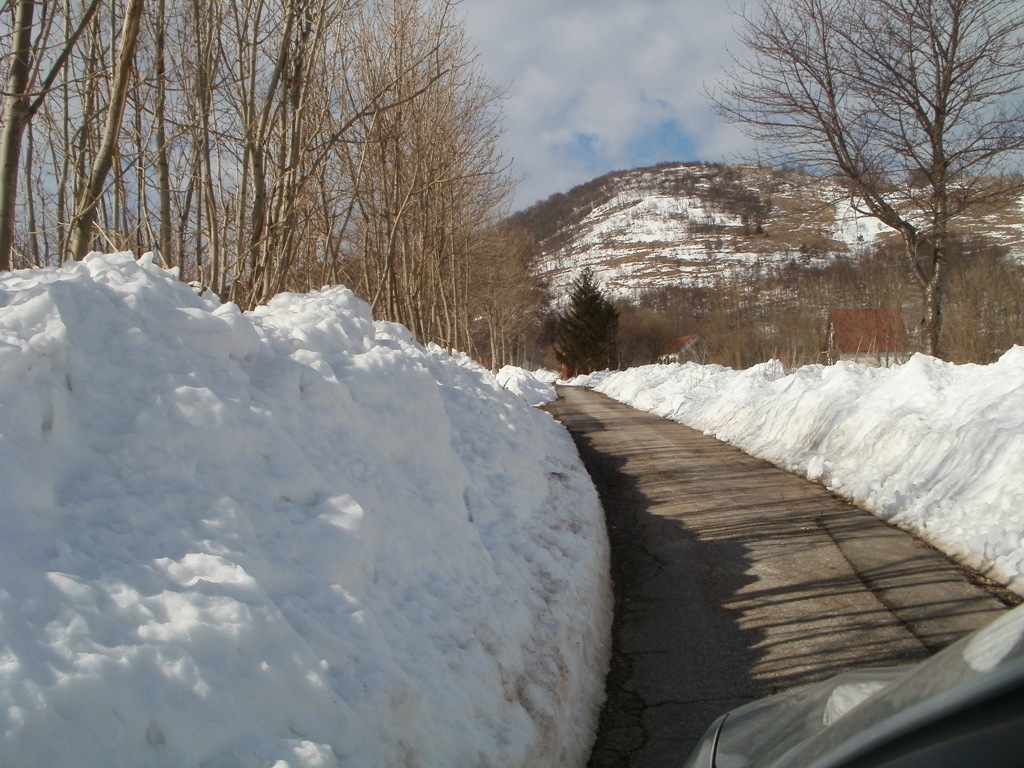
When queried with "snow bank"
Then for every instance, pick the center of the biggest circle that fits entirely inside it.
(933, 447)
(289, 538)
(526, 385)
(551, 377)
(588, 379)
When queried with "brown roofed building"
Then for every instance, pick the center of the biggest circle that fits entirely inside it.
(869, 336)
(685, 349)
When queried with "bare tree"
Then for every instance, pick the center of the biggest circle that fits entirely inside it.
(25, 90)
(985, 314)
(242, 137)
(916, 104)
(165, 236)
(88, 198)
(281, 120)
(505, 299)
(425, 169)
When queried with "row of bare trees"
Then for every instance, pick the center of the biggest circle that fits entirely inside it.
(426, 172)
(258, 146)
(783, 314)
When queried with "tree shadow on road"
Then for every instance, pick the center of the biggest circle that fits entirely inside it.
(679, 658)
(734, 580)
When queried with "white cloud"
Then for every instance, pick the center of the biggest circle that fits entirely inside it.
(611, 71)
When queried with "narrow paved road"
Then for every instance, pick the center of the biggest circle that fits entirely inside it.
(734, 579)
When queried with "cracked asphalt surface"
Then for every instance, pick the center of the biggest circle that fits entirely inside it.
(735, 579)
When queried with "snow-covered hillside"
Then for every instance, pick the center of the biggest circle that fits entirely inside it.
(288, 538)
(929, 446)
(687, 224)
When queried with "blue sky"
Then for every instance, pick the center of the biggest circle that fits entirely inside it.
(601, 85)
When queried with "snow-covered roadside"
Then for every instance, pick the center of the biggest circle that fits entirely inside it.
(292, 537)
(536, 388)
(933, 447)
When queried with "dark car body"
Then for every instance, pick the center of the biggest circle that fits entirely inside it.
(962, 707)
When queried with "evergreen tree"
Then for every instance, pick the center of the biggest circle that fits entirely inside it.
(587, 329)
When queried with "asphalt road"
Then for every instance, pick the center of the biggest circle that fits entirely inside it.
(735, 579)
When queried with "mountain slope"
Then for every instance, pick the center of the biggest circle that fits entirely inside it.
(694, 223)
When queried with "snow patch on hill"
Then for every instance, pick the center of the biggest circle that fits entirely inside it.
(683, 225)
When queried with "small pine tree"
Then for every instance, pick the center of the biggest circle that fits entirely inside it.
(587, 329)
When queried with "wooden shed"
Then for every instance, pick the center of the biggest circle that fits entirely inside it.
(872, 336)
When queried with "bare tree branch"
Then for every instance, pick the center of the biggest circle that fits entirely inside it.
(916, 104)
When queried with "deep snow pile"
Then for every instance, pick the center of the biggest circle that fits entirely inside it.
(288, 538)
(551, 377)
(933, 447)
(529, 386)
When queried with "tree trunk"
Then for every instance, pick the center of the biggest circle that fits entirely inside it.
(16, 116)
(18, 108)
(84, 219)
(165, 236)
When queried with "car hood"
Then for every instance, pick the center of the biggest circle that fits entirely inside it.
(855, 710)
(759, 733)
